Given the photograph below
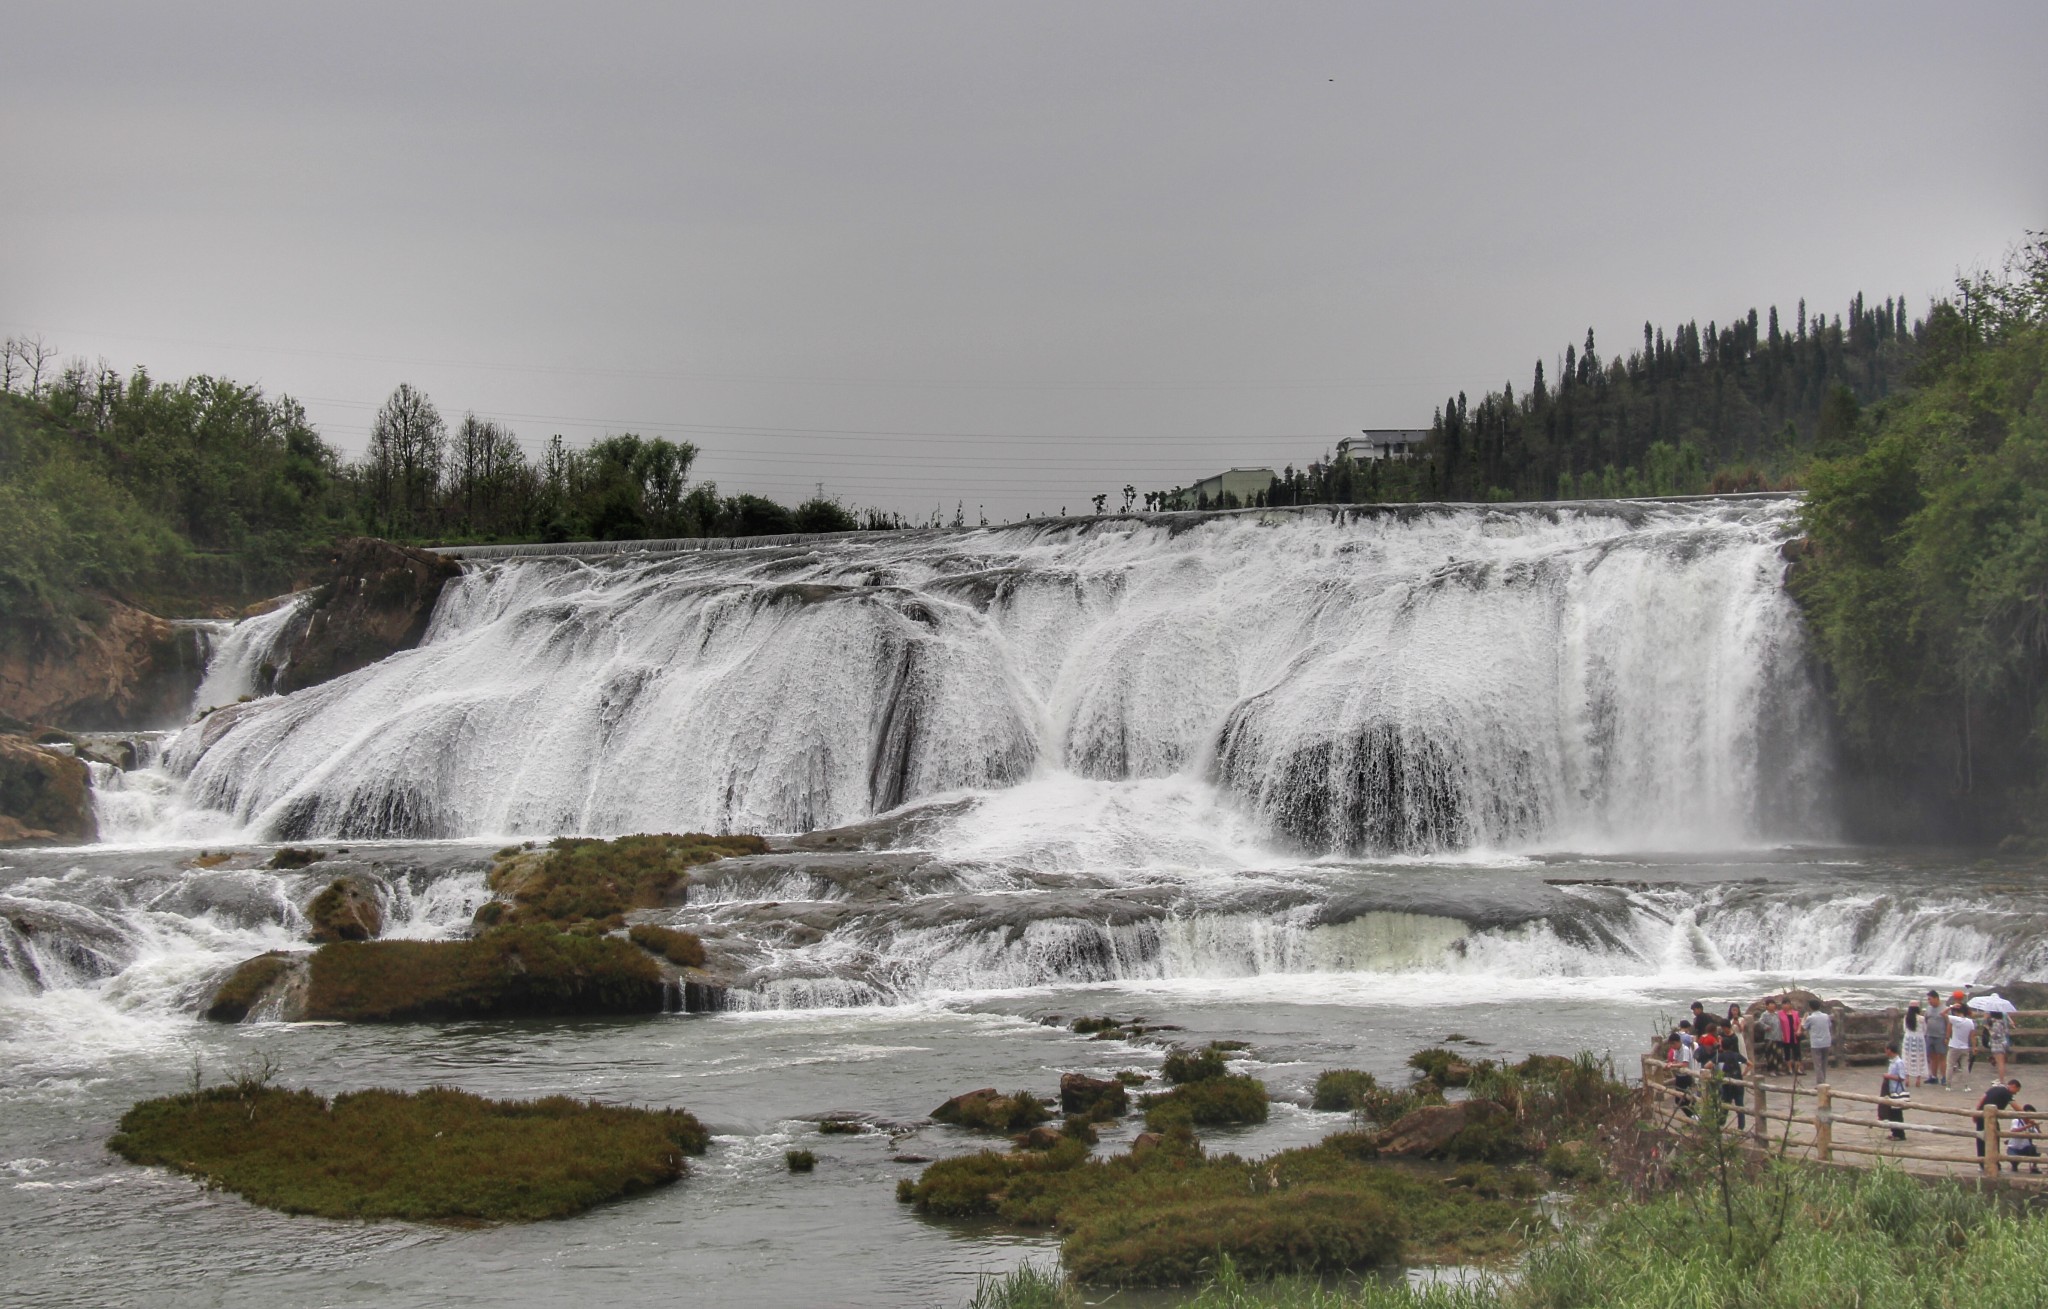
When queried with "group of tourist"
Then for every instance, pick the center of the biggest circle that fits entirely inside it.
(1939, 1040)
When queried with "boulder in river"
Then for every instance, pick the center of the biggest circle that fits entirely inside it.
(348, 910)
(45, 795)
(1431, 1129)
(1087, 1096)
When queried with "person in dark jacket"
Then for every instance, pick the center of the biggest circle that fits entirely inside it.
(2000, 1096)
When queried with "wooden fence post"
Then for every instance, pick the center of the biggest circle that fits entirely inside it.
(1823, 1122)
(1758, 1103)
(1990, 1143)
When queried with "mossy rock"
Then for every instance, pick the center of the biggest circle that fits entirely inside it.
(1093, 1097)
(348, 910)
(987, 1110)
(683, 949)
(246, 987)
(506, 973)
(578, 880)
(439, 1155)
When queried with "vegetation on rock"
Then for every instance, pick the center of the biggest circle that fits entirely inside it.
(1222, 1100)
(507, 972)
(682, 949)
(578, 880)
(988, 1111)
(1162, 1217)
(439, 1155)
(799, 1161)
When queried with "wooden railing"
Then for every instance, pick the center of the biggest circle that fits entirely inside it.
(1764, 1104)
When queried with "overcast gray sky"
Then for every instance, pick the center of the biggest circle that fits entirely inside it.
(1011, 256)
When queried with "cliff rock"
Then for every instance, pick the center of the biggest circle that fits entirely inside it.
(377, 600)
(44, 794)
(130, 670)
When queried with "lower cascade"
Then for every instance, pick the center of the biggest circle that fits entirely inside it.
(1329, 682)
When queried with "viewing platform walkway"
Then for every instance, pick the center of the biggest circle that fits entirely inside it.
(1837, 1122)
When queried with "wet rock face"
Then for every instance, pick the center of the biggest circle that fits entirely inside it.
(376, 601)
(131, 670)
(44, 794)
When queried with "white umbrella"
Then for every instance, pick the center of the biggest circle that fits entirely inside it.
(1994, 1004)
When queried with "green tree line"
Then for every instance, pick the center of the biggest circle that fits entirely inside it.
(184, 496)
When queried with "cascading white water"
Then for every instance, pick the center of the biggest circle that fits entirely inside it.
(1335, 680)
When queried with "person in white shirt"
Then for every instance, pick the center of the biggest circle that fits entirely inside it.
(1820, 1039)
(1961, 1028)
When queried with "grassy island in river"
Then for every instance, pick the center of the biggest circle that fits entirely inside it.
(439, 1155)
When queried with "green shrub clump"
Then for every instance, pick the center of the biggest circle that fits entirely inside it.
(1343, 1090)
(577, 880)
(507, 972)
(1225, 1101)
(799, 1161)
(1183, 1066)
(986, 1111)
(1163, 1217)
(439, 1155)
(245, 986)
(682, 949)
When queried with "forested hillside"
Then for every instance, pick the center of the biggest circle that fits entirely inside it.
(1926, 571)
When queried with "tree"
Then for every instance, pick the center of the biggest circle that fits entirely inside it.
(407, 446)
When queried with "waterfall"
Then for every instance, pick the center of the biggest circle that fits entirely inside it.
(1341, 680)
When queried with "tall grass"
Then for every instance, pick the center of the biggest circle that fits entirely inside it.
(1873, 1240)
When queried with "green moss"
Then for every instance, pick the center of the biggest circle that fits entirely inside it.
(288, 856)
(345, 911)
(682, 949)
(1226, 1101)
(245, 986)
(581, 880)
(508, 972)
(439, 1155)
(841, 1127)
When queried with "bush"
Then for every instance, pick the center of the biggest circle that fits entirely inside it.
(245, 986)
(508, 972)
(439, 1155)
(682, 949)
(1185, 1066)
(799, 1161)
(1227, 1101)
(841, 1127)
(1340, 1090)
